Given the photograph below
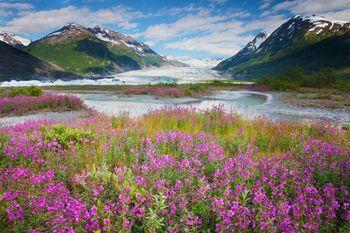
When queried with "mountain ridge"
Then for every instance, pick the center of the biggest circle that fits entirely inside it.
(297, 34)
(95, 51)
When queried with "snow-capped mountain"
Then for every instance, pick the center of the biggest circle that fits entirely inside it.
(303, 29)
(72, 30)
(68, 31)
(118, 38)
(321, 24)
(14, 40)
(311, 42)
(96, 51)
(244, 54)
(253, 45)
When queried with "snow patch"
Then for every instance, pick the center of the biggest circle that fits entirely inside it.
(291, 25)
(103, 38)
(14, 39)
(24, 41)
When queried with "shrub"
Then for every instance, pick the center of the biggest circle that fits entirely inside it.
(27, 91)
(65, 135)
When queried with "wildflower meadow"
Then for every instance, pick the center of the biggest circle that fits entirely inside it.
(174, 170)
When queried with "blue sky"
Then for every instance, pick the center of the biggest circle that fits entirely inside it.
(178, 28)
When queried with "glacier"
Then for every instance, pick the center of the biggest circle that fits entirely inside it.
(179, 75)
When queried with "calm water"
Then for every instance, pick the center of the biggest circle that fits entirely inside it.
(249, 104)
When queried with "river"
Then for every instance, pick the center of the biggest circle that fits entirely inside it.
(246, 103)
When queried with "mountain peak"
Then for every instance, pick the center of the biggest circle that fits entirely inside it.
(97, 27)
(68, 30)
(73, 25)
(14, 40)
(117, 38)
(253, 45)
(244, 54)
(259, 38)
(317, 18)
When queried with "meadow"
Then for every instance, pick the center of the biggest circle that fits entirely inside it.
(174, 170)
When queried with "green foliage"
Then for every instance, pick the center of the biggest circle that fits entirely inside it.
(155, 219)
(28, 91)
(346, 127)
(66, 135)
(295, 78)
(15, 91)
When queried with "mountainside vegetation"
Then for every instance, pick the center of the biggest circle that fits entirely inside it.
(84, 55)
(18, 65)
(295, 78)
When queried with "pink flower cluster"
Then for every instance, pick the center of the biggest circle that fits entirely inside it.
(19, 105)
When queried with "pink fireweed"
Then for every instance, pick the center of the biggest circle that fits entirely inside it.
(156, 91)
(19, 105)
(187, 171)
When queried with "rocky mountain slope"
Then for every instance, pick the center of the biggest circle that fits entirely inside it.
(14, 40)
(312, 43)
(16, 64)
(244, 54)
(95, 51)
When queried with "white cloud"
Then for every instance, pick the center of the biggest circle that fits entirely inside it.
(227, 38)
(265, 4)
(218, 1)
(208, 31)
(39, 21)
(17, 6)
(336, 9)
(175, 11)
(202, 21)
(11, 8)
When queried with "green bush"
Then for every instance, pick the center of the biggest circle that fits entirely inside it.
(28, 91)
(65, 135)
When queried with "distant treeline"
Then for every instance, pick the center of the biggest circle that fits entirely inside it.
(295, 78)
